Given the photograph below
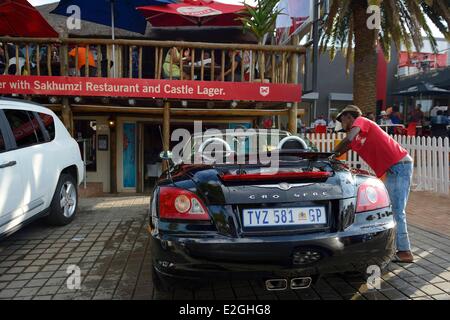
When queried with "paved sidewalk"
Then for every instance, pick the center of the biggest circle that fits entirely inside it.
(109, 242)
(429, 211)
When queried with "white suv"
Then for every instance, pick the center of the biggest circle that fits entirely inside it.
(40, 166)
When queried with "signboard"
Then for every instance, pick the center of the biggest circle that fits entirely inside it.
(150, 88)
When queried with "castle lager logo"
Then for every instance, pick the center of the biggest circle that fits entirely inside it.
(264, 91)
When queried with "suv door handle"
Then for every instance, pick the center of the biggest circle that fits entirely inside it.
(8, 164)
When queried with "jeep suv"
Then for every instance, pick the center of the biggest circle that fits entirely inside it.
(40, 167)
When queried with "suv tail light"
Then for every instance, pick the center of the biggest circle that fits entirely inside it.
(372, 195)
(176, 203)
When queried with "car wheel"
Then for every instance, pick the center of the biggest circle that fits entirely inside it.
(65, 201)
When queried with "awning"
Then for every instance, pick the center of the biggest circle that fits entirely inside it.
(310, 96)
(333, 96)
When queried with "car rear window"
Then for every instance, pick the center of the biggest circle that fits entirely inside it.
(49, 124)
(23, 126)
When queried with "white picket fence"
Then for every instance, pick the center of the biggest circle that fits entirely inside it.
(431, 159)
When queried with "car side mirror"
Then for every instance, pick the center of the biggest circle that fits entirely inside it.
(166, 155)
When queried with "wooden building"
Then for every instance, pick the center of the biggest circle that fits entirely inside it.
(126, 107)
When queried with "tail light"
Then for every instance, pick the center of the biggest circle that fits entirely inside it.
(176, 203)
(372, 195)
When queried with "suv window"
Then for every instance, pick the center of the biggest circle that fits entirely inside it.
(2, 142)
(23, 127)
(49, 124)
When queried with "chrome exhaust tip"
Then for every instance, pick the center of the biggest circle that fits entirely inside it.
(276, 284)
(301, 283)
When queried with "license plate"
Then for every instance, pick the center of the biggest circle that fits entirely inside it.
(269, 217)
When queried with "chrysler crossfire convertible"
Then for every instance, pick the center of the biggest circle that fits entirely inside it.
(282, 225)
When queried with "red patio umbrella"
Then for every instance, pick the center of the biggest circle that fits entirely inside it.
(18, 18)
(193, 13)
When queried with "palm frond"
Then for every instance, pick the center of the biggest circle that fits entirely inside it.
(402, 23)
(260, 19)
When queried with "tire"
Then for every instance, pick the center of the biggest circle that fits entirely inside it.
(64, 204)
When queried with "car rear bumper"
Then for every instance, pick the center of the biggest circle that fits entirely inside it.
(218, 256)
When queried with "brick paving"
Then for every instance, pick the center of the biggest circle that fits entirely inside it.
(109, 242)
(429, 211)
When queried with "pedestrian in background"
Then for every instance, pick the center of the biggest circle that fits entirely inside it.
(320, 121)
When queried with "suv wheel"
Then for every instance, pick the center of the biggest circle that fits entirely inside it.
(65, 201)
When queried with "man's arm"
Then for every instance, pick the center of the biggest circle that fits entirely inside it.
(344, 146)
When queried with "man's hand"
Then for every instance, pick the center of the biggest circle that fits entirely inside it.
(334, 157)
(344, 146)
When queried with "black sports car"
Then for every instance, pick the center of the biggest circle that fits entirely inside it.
(311, 215)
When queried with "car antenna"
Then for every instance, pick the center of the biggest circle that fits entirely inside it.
(167, 160)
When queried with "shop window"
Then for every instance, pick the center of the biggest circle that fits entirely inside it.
(86, 136)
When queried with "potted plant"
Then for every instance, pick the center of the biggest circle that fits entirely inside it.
(260, 20)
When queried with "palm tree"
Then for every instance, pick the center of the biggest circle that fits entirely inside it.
(402, 22)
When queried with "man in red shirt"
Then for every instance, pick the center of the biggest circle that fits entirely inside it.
(385, 156)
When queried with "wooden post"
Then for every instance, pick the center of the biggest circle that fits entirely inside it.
(67, 116)
(222, 71)
(49, 60)
(99, 61)
(192, 63)
(130, 61)
(6, 58)
(202, 68)
(171, 62)
(156, 63)
(77, 72)
(242, 66)
(108, 68)
(86, 61)
(113, 155)
(27, 58)
(166, 126)
(262, 66)
(233, 65)
(18, 71)
(38, 61)
(272, 74)
(140, 62)
(161, 61)
(64, 59)
(213, 64)
(181, 64)
(140, 157)
(166, 131)
(292, 116)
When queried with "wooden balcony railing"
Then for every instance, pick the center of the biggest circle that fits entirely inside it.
(151, 59)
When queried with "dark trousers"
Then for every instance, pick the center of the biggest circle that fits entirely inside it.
(92, 71)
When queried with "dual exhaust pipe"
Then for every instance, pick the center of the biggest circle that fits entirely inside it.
(294, 284)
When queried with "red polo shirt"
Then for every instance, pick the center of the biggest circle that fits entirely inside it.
(376, 147)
